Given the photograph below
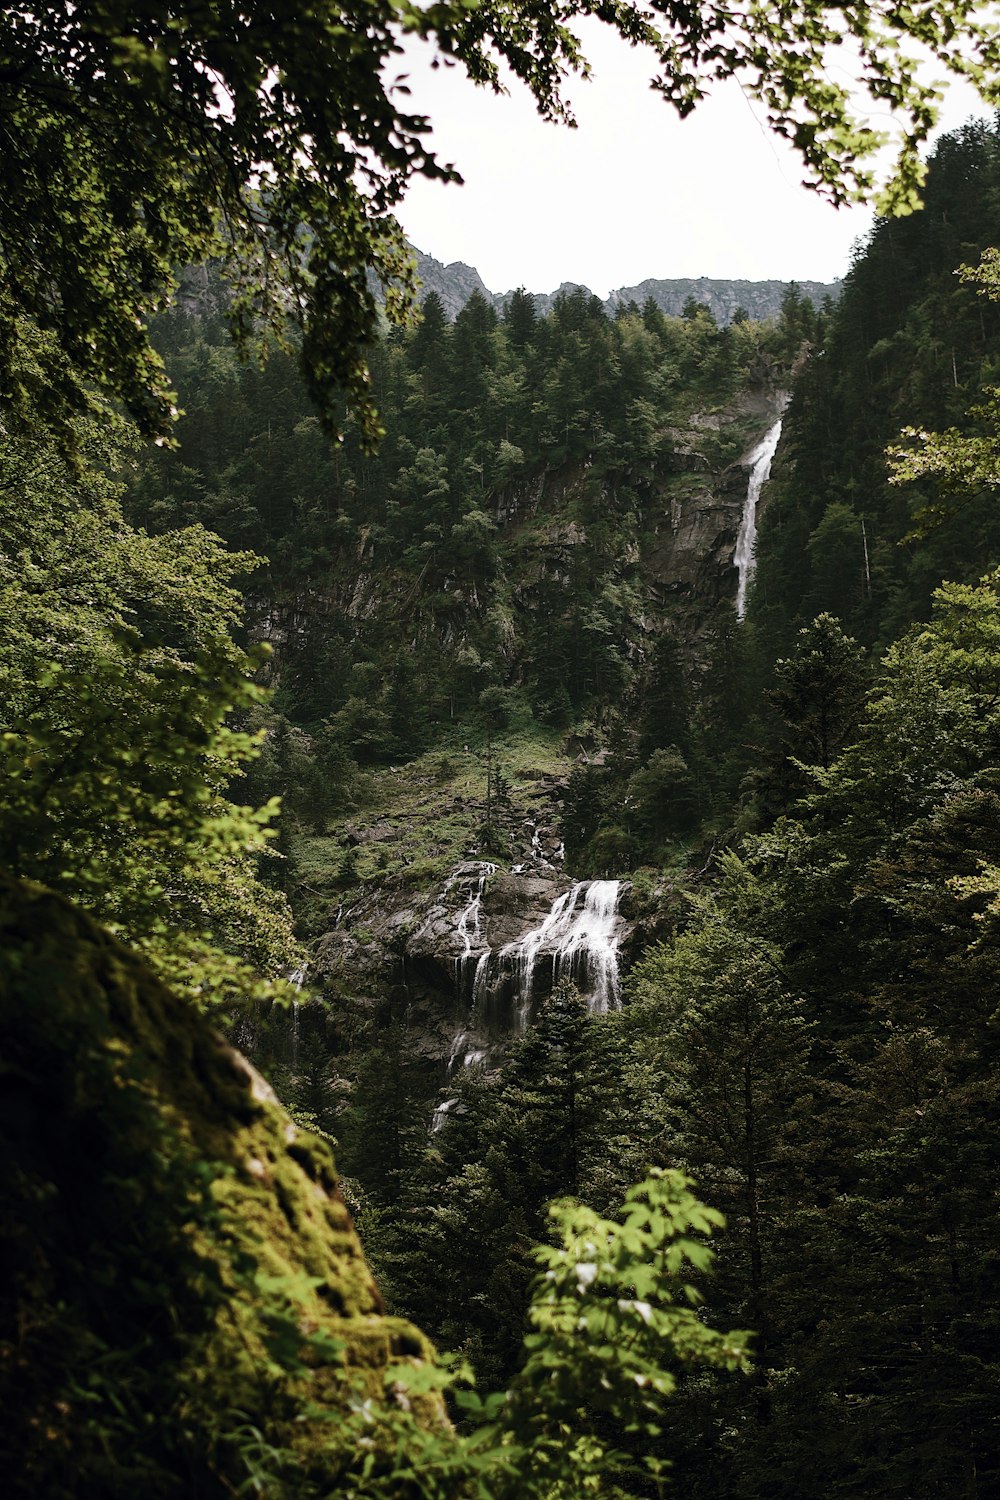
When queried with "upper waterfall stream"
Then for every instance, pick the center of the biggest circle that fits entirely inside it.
(746, 538)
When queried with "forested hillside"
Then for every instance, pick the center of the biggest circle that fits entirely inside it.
(818, 1042)
(558, 746)
(486, 650)
(911, 344)
(515, 534)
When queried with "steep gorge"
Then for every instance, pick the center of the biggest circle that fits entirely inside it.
(557, 502)
(459, 932)
(524, 729)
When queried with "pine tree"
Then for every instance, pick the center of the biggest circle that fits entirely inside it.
(664, 700)
(520, 319)
(817, 700)
(509, 1145)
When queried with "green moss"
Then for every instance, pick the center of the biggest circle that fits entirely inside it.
(180, 1268)
(435, 805)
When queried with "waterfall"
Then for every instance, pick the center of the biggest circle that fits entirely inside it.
(463, 1053)
(578, 940)
(581, 936)
(470, 932)
(441, 1114)
(296, 977)
(760, 472)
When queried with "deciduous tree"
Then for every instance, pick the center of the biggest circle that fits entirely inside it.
(118, 678)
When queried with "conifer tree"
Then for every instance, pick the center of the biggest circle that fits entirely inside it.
(508, 1146)
(520, 318)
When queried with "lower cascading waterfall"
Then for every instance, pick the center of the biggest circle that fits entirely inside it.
(578, 940)
(297, 978)
(463, 1053)
(469, 930)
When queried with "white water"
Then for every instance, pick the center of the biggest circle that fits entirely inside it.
(470, 931)
(441, 1114)
(760, 472)
(579, 939)
(581, 934)
(463, 1053)
(297, 977)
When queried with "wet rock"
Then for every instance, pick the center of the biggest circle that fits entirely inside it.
(514, 904)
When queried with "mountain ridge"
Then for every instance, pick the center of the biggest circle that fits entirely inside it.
(456, 282)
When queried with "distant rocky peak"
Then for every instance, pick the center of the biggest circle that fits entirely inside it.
(455, 284)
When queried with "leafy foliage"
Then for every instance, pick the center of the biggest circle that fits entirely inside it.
(140, 139)
(610, 1301)
(120, 677)
(612, 1323)
(962, 461)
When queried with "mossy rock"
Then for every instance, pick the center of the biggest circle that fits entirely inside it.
(184, 1303)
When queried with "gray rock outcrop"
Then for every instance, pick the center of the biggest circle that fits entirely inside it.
(761, 300)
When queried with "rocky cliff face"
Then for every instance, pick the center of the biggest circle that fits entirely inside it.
(468, 965)
(407, 944)
(465, 961)
(679, 546)
(677, 549)
(683, 539)
(455, 283)
(761, 300)
(697, 511)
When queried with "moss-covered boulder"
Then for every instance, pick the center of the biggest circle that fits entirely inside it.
(185, 1309)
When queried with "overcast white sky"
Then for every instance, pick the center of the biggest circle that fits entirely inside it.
(633, 193)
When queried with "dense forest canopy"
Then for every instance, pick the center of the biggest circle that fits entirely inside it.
(478, 411)
(800, 806)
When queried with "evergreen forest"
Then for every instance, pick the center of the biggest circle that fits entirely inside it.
(499, 937)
